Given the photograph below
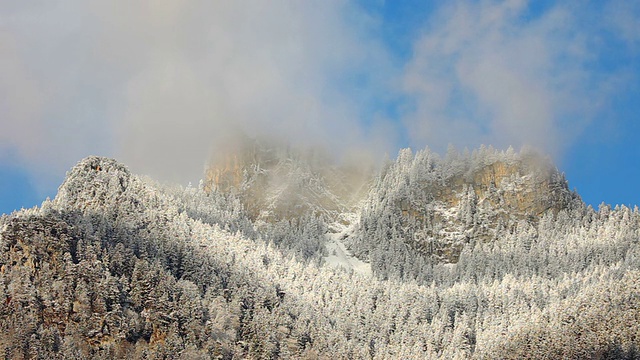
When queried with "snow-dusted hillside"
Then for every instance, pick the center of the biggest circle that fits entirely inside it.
(339, 255)
(117, 266)
(434, 208)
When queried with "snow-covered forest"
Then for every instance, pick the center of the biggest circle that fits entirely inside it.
(484, 255)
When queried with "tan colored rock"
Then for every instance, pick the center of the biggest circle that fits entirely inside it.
(280, 182)
(503, 193)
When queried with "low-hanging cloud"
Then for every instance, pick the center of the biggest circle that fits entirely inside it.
(251, 66)
(158, 84)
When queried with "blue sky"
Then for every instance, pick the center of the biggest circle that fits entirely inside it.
(160, 84)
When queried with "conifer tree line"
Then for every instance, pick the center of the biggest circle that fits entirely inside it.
(118, 266)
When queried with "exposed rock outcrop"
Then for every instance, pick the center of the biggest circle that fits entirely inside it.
(440, 205)
(437, 205)
(276, 181)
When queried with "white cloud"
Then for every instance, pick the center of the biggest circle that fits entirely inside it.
(208, 68)
(485, 73)
(158, 83)
(49, 89)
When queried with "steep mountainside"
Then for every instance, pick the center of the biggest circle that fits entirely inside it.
(277, 182)
(435, 205)
(118, 266)
(439, 206)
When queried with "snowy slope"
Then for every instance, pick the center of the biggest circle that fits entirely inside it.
(339, 255)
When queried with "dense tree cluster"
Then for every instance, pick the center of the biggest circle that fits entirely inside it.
(120, 267)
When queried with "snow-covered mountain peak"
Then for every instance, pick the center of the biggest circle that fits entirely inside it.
(438, 206)
(93, 179)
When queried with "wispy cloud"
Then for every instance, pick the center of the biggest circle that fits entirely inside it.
(623, 17)
(53, 93)
(492, 72)
(159, 83)
(266, 68)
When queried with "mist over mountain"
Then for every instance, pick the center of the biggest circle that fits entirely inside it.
(276, 180)
(283, 252)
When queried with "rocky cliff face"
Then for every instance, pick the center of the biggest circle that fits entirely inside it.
(280, 182)
(525, 188)
(438, 206)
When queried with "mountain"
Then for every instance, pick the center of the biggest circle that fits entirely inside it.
(438, 207)
(278, 181)
(486, 255)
